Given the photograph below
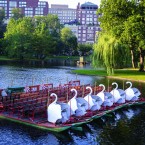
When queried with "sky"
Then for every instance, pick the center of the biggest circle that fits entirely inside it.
(71, 3)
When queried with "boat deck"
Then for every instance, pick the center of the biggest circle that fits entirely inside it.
(31, 108)
(42, 122)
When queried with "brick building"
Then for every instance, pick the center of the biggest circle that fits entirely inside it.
(88, 22)
(64, 13)
(29, 7)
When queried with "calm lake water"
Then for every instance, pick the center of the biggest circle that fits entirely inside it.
(123, 127)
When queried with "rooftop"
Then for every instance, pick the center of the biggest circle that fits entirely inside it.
(59, 6)
(89, 5)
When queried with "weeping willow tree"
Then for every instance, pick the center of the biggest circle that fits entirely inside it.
(109, 52)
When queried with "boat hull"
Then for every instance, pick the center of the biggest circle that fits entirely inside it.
(59, 128)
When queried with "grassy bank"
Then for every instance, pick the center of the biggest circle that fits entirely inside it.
(4, 58)
(132, 74)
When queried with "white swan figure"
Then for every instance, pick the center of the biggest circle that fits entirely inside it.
(119, 94)
(101, 94)
(54, 110)
(88, 98)
(92, 100)
(107, 97)
(78, 105)
(73, 103)
(132, 94)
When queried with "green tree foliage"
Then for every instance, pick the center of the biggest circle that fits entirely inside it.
(41, 41)
(32, 37)
(84, 49)
(124, 21)
(2, 29)
(113, 14)
(109, 52)
(134, 33)
(69, 40)
(52, 23)
(17, 13)
(18, 37)
(46, 35)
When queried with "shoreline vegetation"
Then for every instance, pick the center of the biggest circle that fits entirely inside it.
(5, 58)
(75, 58)
(124, 74)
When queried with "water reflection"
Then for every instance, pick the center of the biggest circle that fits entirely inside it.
(16, 76)
(127, 131)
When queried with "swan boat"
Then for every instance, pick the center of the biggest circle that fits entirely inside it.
(56, 114)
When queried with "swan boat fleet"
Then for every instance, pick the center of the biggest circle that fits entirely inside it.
(64, 107)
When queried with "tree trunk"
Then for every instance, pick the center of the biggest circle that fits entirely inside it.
(132, 59)
(141, 58)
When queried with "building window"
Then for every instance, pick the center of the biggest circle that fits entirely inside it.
(10, 15)
(90, 36)
(39, 11)
(95, 19)
(84, 35)
(3, 4)
(84, 31)
(29, 13)
(13, 4)
(41, 4)
(22, 4)
(83, 22)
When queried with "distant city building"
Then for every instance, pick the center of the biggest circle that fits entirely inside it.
(29, 8)
(88, 22)
(83, 21)
(64, 13)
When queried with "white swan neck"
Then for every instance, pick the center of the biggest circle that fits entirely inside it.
(114, 83)
(89, 89)
(130, 84)
(53, 94)
(101, 85)
(74, 90)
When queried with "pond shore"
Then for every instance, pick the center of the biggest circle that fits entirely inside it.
(123, 74)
